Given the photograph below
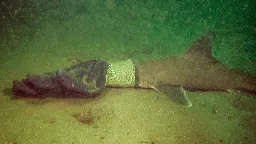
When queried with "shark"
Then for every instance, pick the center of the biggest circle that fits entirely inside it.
(195, 70)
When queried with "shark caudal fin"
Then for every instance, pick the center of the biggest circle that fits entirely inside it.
(201, 50)
(176, 93)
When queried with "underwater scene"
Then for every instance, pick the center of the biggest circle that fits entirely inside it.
(128, 72)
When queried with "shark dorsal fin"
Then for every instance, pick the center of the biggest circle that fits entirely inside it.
(201, 50)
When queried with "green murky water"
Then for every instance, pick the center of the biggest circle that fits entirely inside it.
(41, 36)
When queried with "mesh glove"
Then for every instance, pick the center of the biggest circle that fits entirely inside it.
(86, 79)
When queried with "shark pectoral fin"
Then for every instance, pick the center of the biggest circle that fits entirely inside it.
(176, 94)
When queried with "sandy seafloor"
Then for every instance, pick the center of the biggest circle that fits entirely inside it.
(111, 30)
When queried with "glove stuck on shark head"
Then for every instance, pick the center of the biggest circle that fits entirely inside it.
(195, 70)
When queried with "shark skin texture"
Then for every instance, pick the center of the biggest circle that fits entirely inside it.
(195, 70)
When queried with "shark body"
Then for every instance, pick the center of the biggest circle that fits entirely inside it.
(195, 70)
